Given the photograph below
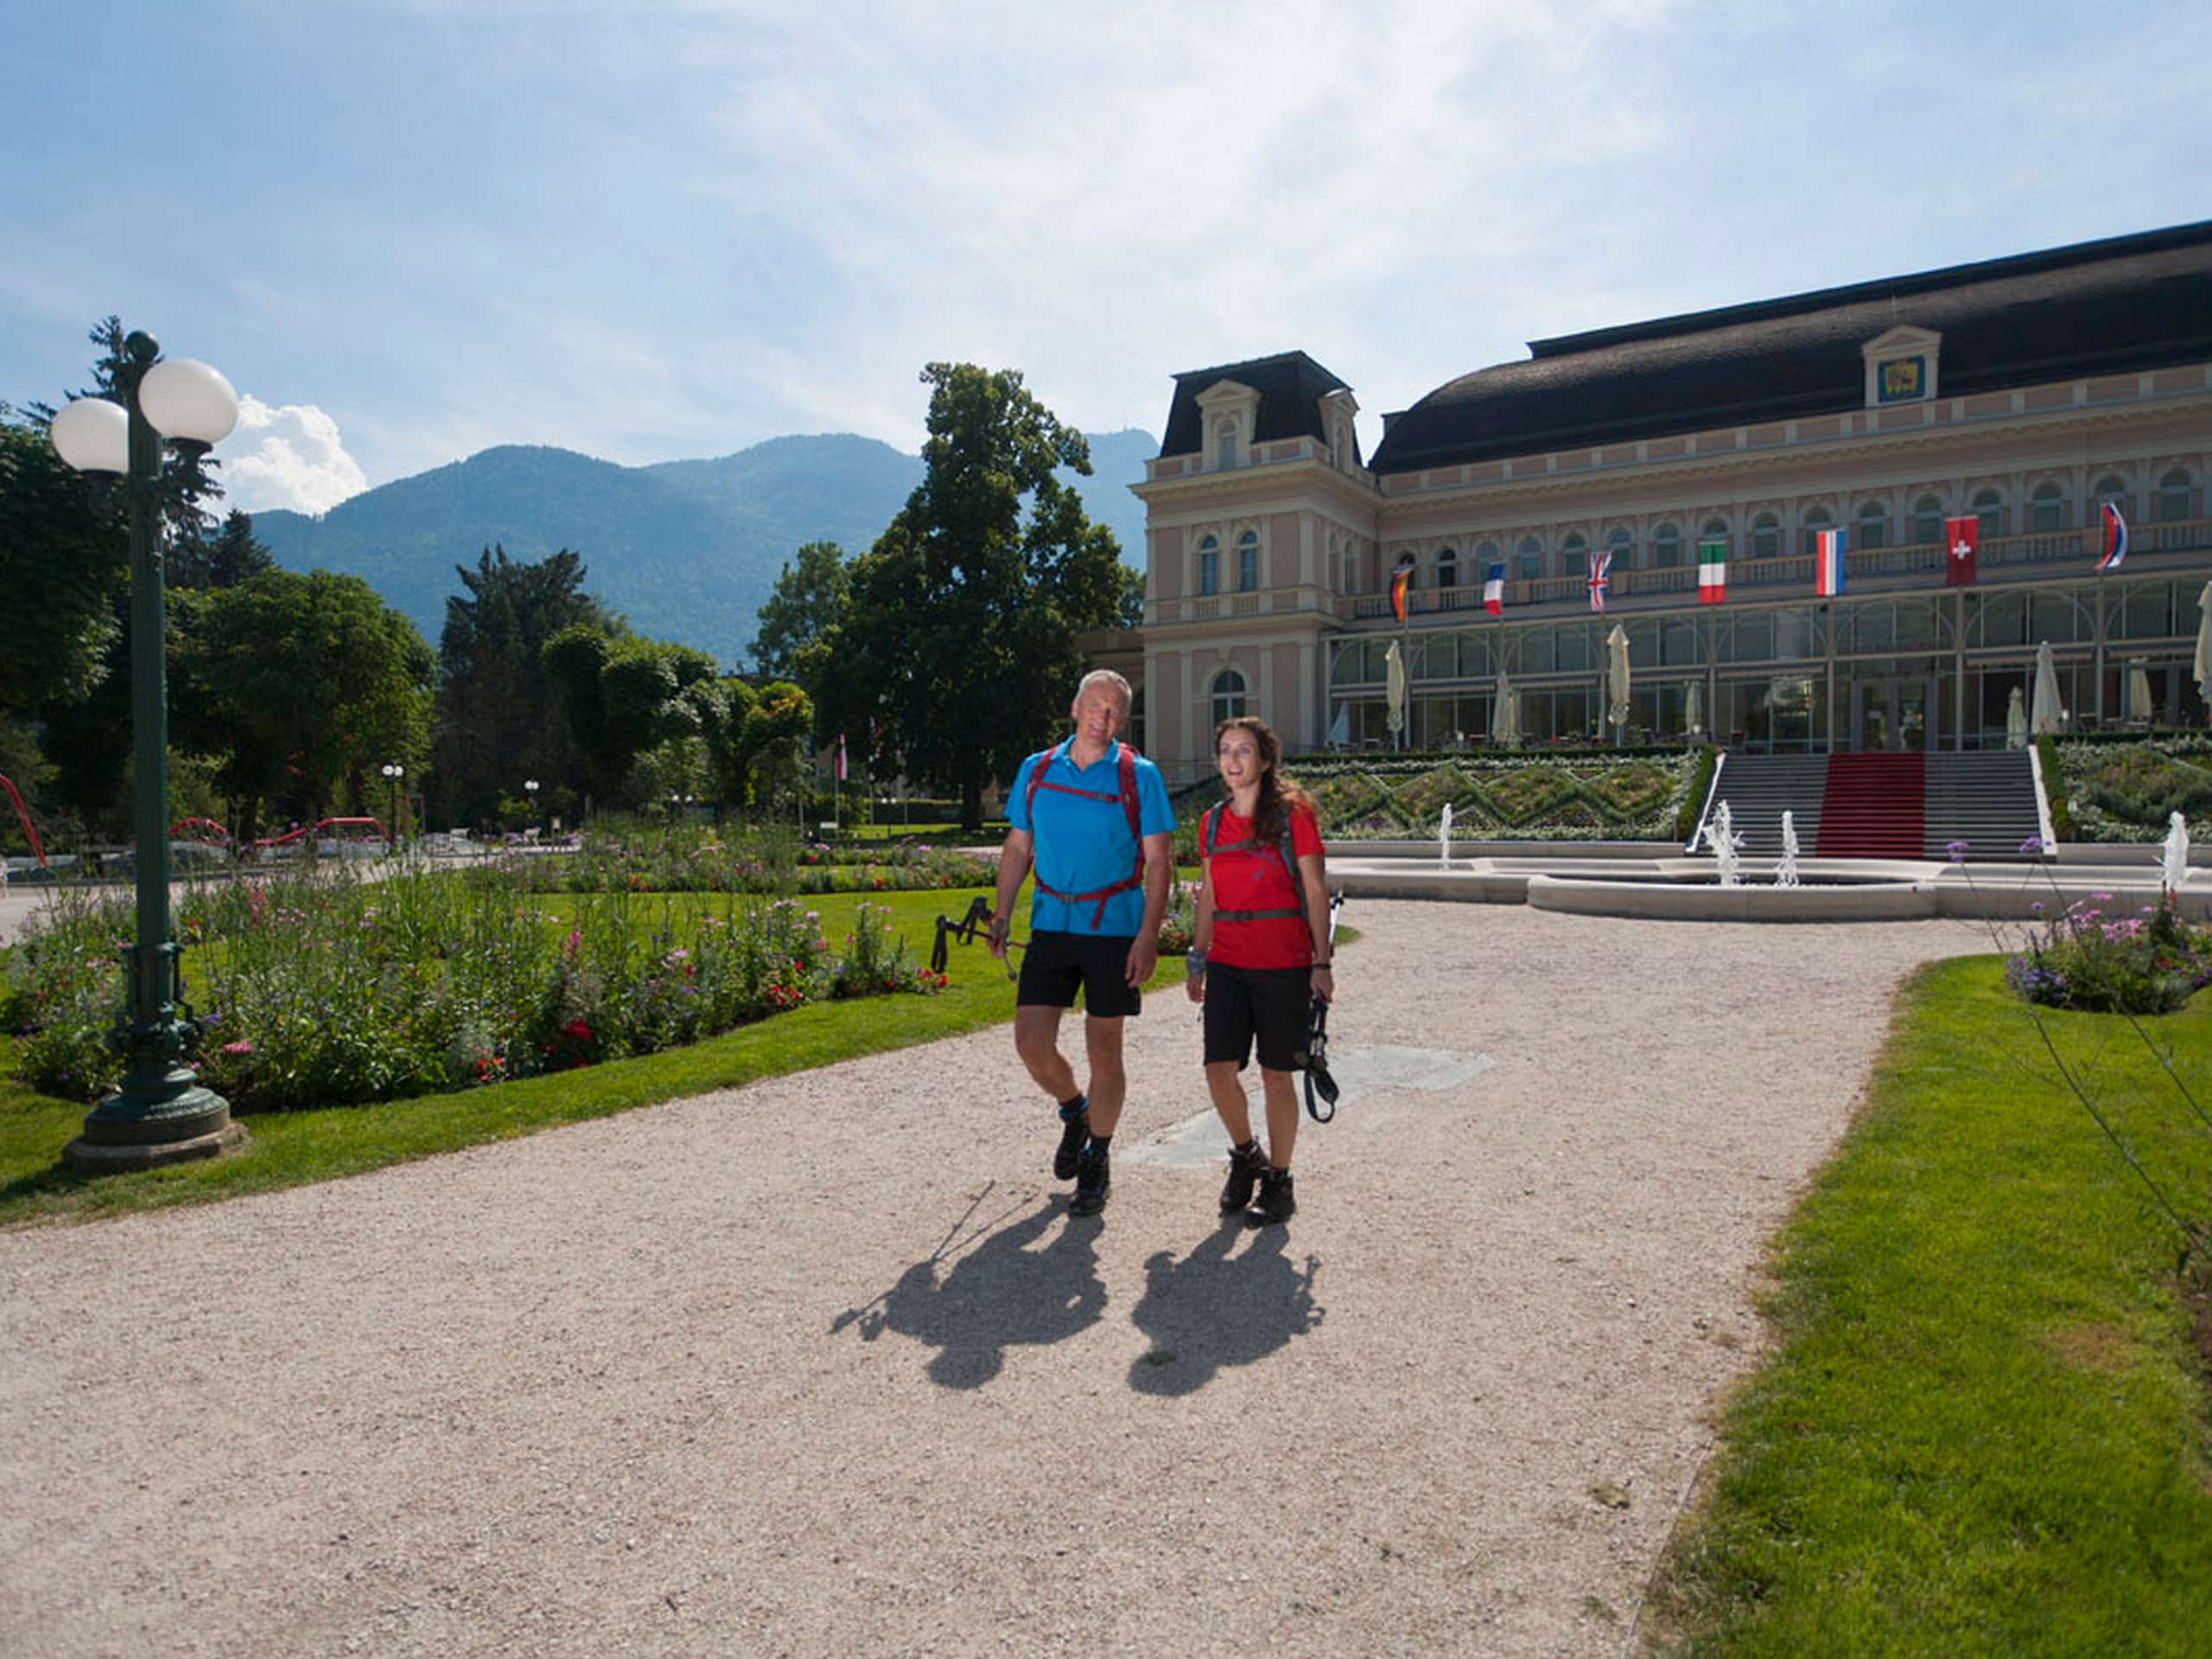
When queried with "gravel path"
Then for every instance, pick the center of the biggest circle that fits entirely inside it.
(821, 1366)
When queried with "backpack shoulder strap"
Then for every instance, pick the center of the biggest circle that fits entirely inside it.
(1129, 806)
(1040, 763)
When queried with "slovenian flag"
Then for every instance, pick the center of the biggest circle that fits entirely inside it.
(1494, 588)
(1711, 572)
(1400, 579)
(2115, 538)
(1600, 565)
(1827, 563)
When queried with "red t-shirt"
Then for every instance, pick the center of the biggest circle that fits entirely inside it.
(1254, 878)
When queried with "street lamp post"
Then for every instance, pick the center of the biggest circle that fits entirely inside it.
(530, 788)
(159, 1114)
(393, 771)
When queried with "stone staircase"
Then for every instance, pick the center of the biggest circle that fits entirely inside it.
(1758, 788)
(1880, 806)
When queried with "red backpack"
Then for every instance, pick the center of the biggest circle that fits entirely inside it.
(1210, 825)
(1041, 763)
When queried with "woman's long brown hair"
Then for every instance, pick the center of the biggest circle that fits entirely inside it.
(1278, 794)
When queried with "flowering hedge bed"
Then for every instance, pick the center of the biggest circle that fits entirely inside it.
(335, 992)
(631, 858)
(1581, 796)
(2091, 959)
(2128, 792)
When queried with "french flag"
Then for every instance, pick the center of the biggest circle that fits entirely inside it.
(2115, 538)
(1827, 562)
(1494, 588)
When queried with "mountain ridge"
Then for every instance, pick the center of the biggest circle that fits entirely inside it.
(686, 550)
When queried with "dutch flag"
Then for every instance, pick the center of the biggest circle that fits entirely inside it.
(1827, 563)
(2115, 538)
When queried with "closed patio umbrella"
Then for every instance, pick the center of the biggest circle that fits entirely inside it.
(2202, 668)
(1394, 689)
(1504, 713)
(2138, 693)
(2044, 713)
(2016, 719)
(1617, 679)
(1694, 710)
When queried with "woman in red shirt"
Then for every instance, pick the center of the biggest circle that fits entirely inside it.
(1259, 955)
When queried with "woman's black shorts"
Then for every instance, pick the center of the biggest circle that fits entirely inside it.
(1273, 1004)
(1055, 964)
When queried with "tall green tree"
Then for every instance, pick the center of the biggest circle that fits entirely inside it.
(955, 653)
(64, 564)
(224, 559)
(309, 684)
(623, 696)
(497, 721)
(805, 605)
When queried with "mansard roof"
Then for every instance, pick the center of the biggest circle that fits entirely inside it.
(1291, 386)
(2123, 304)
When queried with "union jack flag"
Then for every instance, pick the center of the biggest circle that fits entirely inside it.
(1601, 564)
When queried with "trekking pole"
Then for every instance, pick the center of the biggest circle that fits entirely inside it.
(1314, 1059)
(978, 920)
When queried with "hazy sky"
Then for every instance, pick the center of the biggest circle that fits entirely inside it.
(653, 230)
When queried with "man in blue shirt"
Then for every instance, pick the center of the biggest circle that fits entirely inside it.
(1090, 818)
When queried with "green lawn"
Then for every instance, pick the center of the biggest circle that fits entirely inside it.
(1985, 1430)
(291, 1149)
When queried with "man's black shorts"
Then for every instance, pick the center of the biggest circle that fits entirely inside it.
(1272, 1003)
(1055, 963)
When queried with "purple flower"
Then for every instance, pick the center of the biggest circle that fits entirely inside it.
(1957, 849)
(2032, 844)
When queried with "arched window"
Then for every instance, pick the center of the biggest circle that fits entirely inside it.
(1574, 555)
(1766, 536)
(1447, 567)
(2046, 509)
(2175, 497)
(1926, 522)
(1872, 528)
(1228, 696)
(1817, 518)
(1209, 566)
(1666, 546)
(1248, 562)
(1622, 545)
(1530, 558)
(1486, 556)
(1715, 530)
(1989, 511)
(2113, 488)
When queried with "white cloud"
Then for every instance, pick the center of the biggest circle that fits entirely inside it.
(289, 457)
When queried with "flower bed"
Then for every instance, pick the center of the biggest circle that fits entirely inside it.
(335, 992)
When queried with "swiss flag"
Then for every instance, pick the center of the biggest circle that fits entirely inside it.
(1959, 539)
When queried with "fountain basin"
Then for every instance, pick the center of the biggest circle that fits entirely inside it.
(1661, 896)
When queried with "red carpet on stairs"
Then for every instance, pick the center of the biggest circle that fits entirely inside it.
(1874, 806)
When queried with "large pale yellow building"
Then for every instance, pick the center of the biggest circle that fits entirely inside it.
(2024, 394)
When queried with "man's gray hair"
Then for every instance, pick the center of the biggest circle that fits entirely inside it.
(1107, 676)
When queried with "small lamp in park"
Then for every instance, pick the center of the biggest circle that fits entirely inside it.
(159, 1113)
(530, 788)
(393, 771)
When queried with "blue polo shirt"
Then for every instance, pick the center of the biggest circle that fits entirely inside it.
(1080, 845)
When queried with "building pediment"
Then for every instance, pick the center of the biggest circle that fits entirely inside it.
(1901, 365)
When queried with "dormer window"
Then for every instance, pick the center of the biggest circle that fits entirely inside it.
(1232, 417)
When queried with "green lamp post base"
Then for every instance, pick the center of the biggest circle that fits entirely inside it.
(129, 1131)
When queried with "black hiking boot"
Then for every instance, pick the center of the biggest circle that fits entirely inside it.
(1247, 1164)
(1278, 1200)
(1091, 1179)
(1074, 1133)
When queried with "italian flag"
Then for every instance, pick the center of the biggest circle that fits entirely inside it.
(1711, 572)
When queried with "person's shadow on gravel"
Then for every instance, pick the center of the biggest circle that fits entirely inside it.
(1009, 1290)
(1213, 1309)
